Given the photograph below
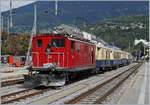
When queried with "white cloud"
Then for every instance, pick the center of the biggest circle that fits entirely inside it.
(15, 4)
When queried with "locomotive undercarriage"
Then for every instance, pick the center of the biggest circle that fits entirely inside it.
(47, 77)
(53, 76)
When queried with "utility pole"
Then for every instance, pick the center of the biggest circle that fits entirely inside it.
(56, 7)
(34, 29)
(2, 23)
(129, 47)
(33, 33)
(8, 33)
(8, 27)
(144, 51)
(10, 12)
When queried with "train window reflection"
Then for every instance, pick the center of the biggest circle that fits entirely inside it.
(58, 42)
(39, 42)
(72, 45)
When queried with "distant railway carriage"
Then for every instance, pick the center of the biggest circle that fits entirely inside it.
(19, 61)
(16, 61)
(103, 57)
(5, 59)
(110, 58)
(124, 58)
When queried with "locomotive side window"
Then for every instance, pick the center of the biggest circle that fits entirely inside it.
(39, 42)
(58, 43)
(78, 47)
(72, 45)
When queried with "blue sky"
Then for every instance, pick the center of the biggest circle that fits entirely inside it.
(15, 4)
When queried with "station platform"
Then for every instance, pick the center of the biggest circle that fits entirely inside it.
(138, 90)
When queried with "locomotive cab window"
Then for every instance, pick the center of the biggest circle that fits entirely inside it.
(58, 42)
(39, 42)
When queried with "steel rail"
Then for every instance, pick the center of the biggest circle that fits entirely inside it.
(11, 82)
(23, 94)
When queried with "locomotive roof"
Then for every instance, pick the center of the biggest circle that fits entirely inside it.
(74, 32)
(64, 30)
(47, 35)
(63, 36)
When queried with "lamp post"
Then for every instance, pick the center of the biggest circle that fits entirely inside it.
(56, 7)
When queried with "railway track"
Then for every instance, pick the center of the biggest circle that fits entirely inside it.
(27, 93)
(97, 94)
(75, 89)
(12, 88)
(11, 82)
(20, 95)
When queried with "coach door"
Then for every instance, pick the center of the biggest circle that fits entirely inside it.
(92, 50)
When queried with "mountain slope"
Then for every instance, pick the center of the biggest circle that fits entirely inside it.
(122, 31)
(72, 12)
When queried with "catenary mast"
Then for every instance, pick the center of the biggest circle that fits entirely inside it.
(33, 33)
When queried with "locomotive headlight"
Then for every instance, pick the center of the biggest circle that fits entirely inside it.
(48, 65)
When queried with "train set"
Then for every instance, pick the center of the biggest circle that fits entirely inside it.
(69, 52)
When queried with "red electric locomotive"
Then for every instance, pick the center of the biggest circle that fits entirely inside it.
(57, 56)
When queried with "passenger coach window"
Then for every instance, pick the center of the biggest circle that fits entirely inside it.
(58, 43)
(39, 42)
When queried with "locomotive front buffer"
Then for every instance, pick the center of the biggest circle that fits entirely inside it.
(48, 75)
